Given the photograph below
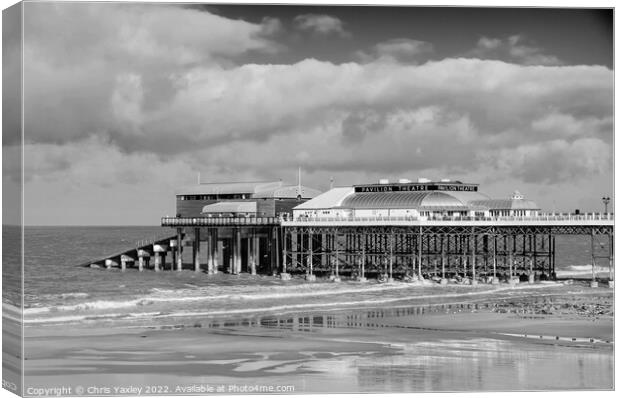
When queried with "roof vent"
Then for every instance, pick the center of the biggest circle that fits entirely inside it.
(404, 181)
(384, 181)
(423, 180)
(445, 180)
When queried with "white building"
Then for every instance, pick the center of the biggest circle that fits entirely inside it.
(423, 199)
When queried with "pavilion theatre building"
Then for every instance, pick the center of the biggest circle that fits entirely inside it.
(424, 199)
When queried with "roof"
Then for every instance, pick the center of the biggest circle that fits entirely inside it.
(327, 200)
(401, 200)
(224, 188)
(230, 207)
(258, 189)
(468, 197)
(288, 191)
(507, 204)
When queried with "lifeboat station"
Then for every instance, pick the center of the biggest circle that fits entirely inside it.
(441, 230)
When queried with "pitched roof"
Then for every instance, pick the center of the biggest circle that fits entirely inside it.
(327, 200)
(224, 188)
(230, 207)
(288, 191)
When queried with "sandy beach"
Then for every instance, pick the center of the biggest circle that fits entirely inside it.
(486, 342)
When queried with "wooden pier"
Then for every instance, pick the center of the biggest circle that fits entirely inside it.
(476, 250)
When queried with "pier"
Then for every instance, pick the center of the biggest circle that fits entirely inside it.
(513, 249)
(444, 231)
(487, 250)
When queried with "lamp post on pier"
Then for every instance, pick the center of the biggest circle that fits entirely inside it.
(605, 200)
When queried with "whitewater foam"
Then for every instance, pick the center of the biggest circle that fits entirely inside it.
(207, 294)
(280, 309)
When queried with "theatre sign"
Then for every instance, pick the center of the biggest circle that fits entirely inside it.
(413, 187)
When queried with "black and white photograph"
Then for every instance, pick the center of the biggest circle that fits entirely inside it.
(307, 198)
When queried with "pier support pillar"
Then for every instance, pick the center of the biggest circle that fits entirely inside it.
(310, 276)
(157, 262)
(474, 281)
(140, 263)
(238, 251)
(109, 263)
(123, 264)
(214, 247)
(362, 277)
(285, 276)
(197, 250)
(179, 249)
(420, 253)
(443, 261)
(209, 251)
(390, 277)
(252, 252)
(256, 246)
(337, 276)
(611, 260)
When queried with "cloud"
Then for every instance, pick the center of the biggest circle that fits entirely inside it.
(144, 115)
(320, 24)
(400, 50)
(514, 49)
(76, 54)
(553, 161)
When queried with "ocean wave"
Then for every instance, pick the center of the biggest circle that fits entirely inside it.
(279, 309)
(208, 294)
(583, 269)
(82, 318)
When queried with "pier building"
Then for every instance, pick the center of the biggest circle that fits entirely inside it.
(231, 226)
(421, 200)
(241, 199)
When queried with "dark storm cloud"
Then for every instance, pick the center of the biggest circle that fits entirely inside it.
(514, 48)
(399, 50)
(320, 24)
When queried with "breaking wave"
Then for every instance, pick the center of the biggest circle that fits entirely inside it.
(279, 309)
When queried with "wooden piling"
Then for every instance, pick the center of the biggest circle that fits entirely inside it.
(179, 249)
(197, 250)
(157, 262)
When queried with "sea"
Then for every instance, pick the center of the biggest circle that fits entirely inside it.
(59, 294)
(57, 289)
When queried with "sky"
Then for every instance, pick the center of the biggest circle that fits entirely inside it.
(124, 103)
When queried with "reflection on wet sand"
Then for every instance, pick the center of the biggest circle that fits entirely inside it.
(352, 319)
(440, 347)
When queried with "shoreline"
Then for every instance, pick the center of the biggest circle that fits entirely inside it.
(319, 350)
(279, 297)
(564, 303)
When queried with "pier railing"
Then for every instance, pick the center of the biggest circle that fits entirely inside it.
(576, 219)
(552, 218)
(218, 221)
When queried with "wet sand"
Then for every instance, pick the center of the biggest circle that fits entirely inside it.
(480, 344)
